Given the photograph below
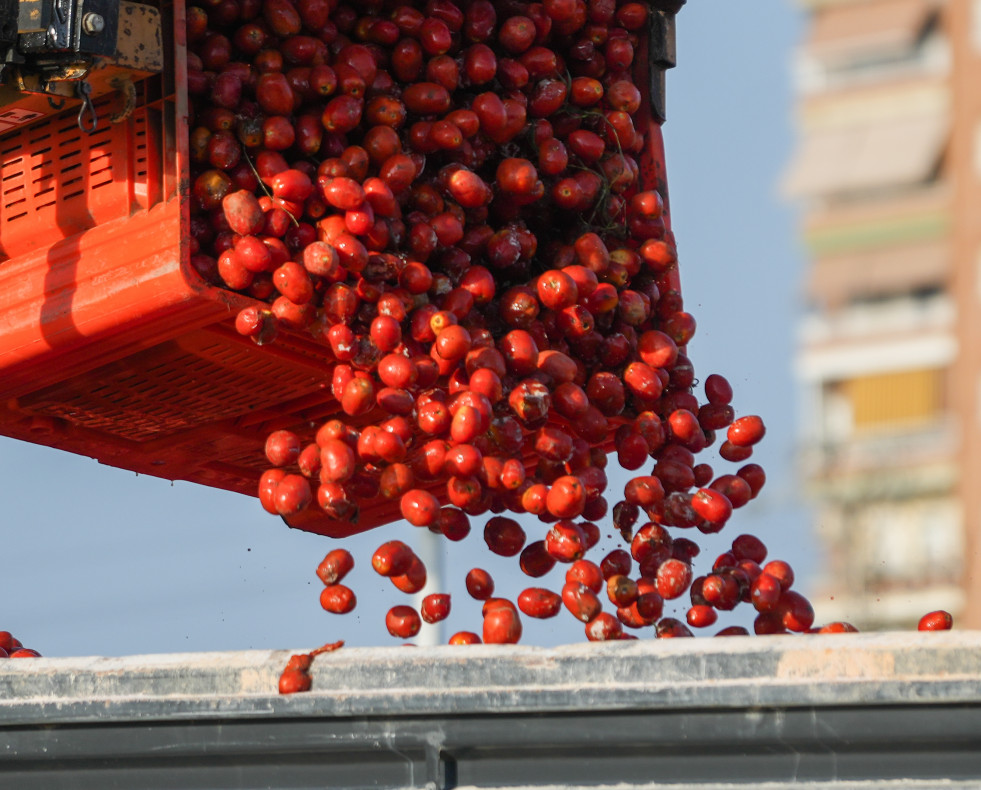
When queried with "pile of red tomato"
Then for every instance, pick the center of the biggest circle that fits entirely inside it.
(11, 647)
(451, 197)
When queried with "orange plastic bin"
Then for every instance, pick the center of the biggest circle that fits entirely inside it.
(111, 345)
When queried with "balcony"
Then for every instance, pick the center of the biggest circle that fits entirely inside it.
(905, 314)
(904, 461)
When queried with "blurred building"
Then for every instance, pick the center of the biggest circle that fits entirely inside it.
(888, 174)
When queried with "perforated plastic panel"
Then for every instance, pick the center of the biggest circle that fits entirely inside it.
(56, 181)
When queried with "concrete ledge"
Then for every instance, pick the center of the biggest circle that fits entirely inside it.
(890, 668)
(842, 712)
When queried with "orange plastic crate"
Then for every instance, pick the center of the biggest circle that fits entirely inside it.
(111, 345)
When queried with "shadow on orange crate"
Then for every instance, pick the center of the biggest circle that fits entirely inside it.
(111, 346)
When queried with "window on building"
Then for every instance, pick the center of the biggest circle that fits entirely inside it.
(921, 295)
(882, 403)
(925, 47)
(894, 400)
(851, 43)
(880, 156)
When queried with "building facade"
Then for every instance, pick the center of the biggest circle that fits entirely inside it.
(887, 171)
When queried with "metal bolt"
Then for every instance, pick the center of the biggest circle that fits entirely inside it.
(93, 24)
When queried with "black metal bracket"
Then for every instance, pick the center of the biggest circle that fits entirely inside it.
(662, 54)
(8, 30)
(48, 28)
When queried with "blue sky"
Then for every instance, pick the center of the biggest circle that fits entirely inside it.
(97, 561)
(729, 137)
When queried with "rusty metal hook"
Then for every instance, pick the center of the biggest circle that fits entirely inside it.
(126, 87)
(84, 91)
